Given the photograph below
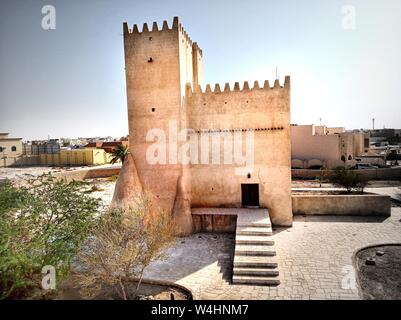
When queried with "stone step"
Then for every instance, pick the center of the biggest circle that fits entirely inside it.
(255, 262)
(253, 224)
(250, 221)
(257, 272)
(253, 240)
(256, 280)
(257, 231)
(251, 250)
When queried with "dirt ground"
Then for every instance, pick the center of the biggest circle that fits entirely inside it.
(382, 280)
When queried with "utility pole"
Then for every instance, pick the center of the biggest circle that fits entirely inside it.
(373, 123)
(320, 121)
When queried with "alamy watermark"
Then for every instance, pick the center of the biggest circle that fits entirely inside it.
(348, 282)
(49, 18)
(349, 17)
(49, 278)
(189, 146)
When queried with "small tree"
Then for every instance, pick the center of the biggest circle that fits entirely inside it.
(119, 153)
(42, 224)
(348, 179)
(122, 246)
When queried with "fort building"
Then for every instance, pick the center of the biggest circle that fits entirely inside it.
(165, 92)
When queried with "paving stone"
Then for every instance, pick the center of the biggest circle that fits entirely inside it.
(318, 254)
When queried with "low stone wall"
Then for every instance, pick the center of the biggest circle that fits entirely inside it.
(344, 205)
(90, 173)
(102, 173)
(371, 174)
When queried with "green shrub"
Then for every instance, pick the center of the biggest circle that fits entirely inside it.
(348, 179)
(42, 223)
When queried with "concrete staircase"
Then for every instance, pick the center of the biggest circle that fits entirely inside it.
(255, 259)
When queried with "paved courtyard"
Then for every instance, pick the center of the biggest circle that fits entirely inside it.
(315, 259)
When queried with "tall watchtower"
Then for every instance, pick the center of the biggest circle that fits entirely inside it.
(159, 62)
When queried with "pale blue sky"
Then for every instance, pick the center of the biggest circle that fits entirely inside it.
(70, 81)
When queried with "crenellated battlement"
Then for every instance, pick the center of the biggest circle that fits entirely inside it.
(155, 28)
(245, 87)
(176, 26)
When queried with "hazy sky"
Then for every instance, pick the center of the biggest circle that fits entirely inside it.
(70, 81)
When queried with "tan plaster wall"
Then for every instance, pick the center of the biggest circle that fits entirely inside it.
(219, 185)
(153, 85)
(7, 156)
(334, 130)
(306, 146)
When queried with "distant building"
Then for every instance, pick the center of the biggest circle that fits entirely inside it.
(320, 146)
(10, 150)
(75, 157)
(53, 152)
(385, 137)
(106, 146)
(41, 147)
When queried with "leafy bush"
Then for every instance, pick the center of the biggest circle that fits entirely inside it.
(42, 223)
(348, 179)
(123, 244)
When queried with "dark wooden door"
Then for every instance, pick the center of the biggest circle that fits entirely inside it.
(250, 195)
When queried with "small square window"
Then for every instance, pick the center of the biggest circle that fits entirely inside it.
(13, 148)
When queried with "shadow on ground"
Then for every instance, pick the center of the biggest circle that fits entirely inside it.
(197, 253)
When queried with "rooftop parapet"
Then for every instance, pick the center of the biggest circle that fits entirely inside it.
(245, 87)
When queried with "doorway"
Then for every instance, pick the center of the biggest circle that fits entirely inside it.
(250, 195)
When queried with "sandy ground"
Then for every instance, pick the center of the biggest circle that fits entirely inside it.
(20, 172)
(105, 189)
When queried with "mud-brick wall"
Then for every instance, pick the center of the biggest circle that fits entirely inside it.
(266, 113)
